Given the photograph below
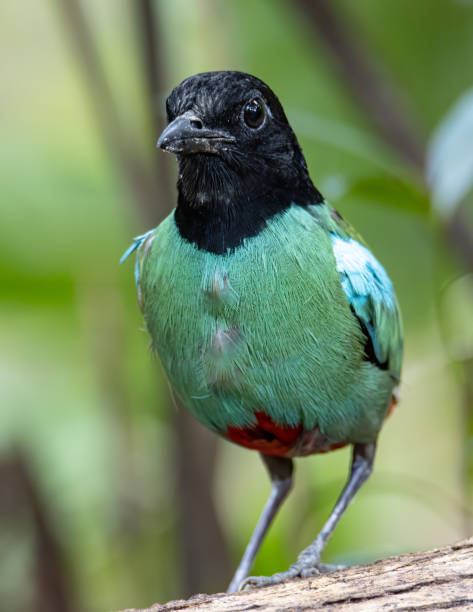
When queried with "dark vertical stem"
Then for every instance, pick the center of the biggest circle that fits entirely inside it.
(204, 555)
(374, 94)
(205, 563)
(152, 59)
(153, 66)
(140, 182)
(22, 506)
(460, 235)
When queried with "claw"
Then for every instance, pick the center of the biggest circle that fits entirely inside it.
(295, 571)
(254, 582)
(326, 568)
(308, 572)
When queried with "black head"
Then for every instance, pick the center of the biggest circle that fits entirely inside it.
(239, 160)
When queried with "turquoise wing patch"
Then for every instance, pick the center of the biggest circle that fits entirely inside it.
(136, 246)
(371, 297)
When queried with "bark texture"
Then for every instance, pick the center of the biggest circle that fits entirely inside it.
(435, 580)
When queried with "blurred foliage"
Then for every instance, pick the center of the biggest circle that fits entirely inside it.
(84, 403)
(450, 156)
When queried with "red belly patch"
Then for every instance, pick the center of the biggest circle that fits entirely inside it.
(266, 436)
(269, 438)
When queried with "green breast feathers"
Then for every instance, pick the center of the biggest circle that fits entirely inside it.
(300, 324)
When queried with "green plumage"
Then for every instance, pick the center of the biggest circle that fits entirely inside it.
(268, 326)
(275, 324)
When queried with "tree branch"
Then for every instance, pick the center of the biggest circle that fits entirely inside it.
(435, 580)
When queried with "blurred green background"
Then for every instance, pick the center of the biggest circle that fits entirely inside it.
(110, 495)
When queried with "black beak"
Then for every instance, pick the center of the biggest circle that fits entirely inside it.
(187, 134)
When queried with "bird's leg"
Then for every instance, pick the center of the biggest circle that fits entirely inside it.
(308, 562)
(280, 471)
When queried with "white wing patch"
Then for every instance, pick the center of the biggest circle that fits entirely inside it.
(363, 271)
(371, 296)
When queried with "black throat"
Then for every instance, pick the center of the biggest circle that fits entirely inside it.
(221, 203)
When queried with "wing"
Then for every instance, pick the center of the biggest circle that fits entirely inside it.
(372, 299)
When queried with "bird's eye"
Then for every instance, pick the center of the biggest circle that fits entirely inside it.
(254, 113)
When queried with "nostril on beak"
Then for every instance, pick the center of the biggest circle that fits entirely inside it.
(196, 123)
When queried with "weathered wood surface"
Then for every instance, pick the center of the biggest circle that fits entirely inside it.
(435, 580)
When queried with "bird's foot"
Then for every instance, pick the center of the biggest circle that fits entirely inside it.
(301, 569)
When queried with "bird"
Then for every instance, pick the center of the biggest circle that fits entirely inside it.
(275, 324)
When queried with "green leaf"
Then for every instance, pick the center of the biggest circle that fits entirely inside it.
(389, 191)
(345, 137)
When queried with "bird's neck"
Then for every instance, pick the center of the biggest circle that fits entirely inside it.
(219, 207)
